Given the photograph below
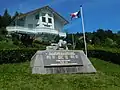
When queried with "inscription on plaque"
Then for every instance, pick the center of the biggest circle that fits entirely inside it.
(61, 58)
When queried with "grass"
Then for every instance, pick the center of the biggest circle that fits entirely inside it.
(19, 77)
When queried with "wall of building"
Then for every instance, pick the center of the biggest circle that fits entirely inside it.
(37, 23)
(58, 24)
(21, 22)
(47, 15)
(31, 22)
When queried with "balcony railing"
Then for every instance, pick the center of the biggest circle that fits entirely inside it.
(34, 30)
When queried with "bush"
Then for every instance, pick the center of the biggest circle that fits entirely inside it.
(16, 42)
(4, 44)
(108, 54)
(37, 41)
(16, 55)
(108, 42)
(25, 54)
(39, 46)
(3, 31)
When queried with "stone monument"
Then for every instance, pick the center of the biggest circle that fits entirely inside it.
(57, 46)
(58, 59)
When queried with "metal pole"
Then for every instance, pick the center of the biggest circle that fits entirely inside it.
(35, 33)
(73, 41)
(72, 38)
(83, 30)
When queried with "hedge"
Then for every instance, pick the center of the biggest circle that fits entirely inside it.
(25, 54)
(107, 49)
(16, 55)
(106, 54)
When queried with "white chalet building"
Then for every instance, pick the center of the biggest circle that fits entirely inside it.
(42, 20)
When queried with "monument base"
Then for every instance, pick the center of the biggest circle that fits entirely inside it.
(61, 61)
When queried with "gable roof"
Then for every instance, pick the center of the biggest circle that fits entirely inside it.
(36, 10)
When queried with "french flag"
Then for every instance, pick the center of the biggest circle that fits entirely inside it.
(75, 15)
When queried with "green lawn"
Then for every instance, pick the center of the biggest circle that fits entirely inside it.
(18, 77)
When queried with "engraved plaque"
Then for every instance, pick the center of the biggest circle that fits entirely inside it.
(61, 61)
(61, 58)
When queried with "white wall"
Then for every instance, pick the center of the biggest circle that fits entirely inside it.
(19, 22)
(47, 16)
(56, 23)
(30, 19)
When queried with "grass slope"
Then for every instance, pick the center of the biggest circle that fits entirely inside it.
(18, 77)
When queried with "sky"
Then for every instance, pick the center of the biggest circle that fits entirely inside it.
(98, 14)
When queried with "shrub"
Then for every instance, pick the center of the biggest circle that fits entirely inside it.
(35, 45)
(108, 42)
(25, 54)
(3, 31)
(16, 42)
(16, 55)
(37, 41)
(7, 44)
(108, 54)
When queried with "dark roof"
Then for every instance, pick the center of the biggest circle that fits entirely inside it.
(36, 10)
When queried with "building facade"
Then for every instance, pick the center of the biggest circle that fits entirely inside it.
(42, 20)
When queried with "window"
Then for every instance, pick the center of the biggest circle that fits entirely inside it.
(37, 16)
(30, 25)
(43, 19)
(49, 20)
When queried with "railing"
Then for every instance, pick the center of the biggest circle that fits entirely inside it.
(34, 30)
(19, 29)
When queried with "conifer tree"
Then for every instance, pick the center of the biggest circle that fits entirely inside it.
(6, 19)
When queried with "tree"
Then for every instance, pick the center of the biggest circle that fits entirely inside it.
(27, 40)
(118, 32)
(3, 31)
(109, 34)
(108, 42)
(6, 19)
(56, 39)
(79, 43)
(0, 21)
(95, 40)
(89, 37)
(15, 15)
(101, 35)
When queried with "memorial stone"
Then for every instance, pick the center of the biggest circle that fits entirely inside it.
(61, 61)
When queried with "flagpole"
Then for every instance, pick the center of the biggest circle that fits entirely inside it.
(72, 37)
(83, 28)
(73, 40)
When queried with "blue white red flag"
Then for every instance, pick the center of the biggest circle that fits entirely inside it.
(75, 15)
